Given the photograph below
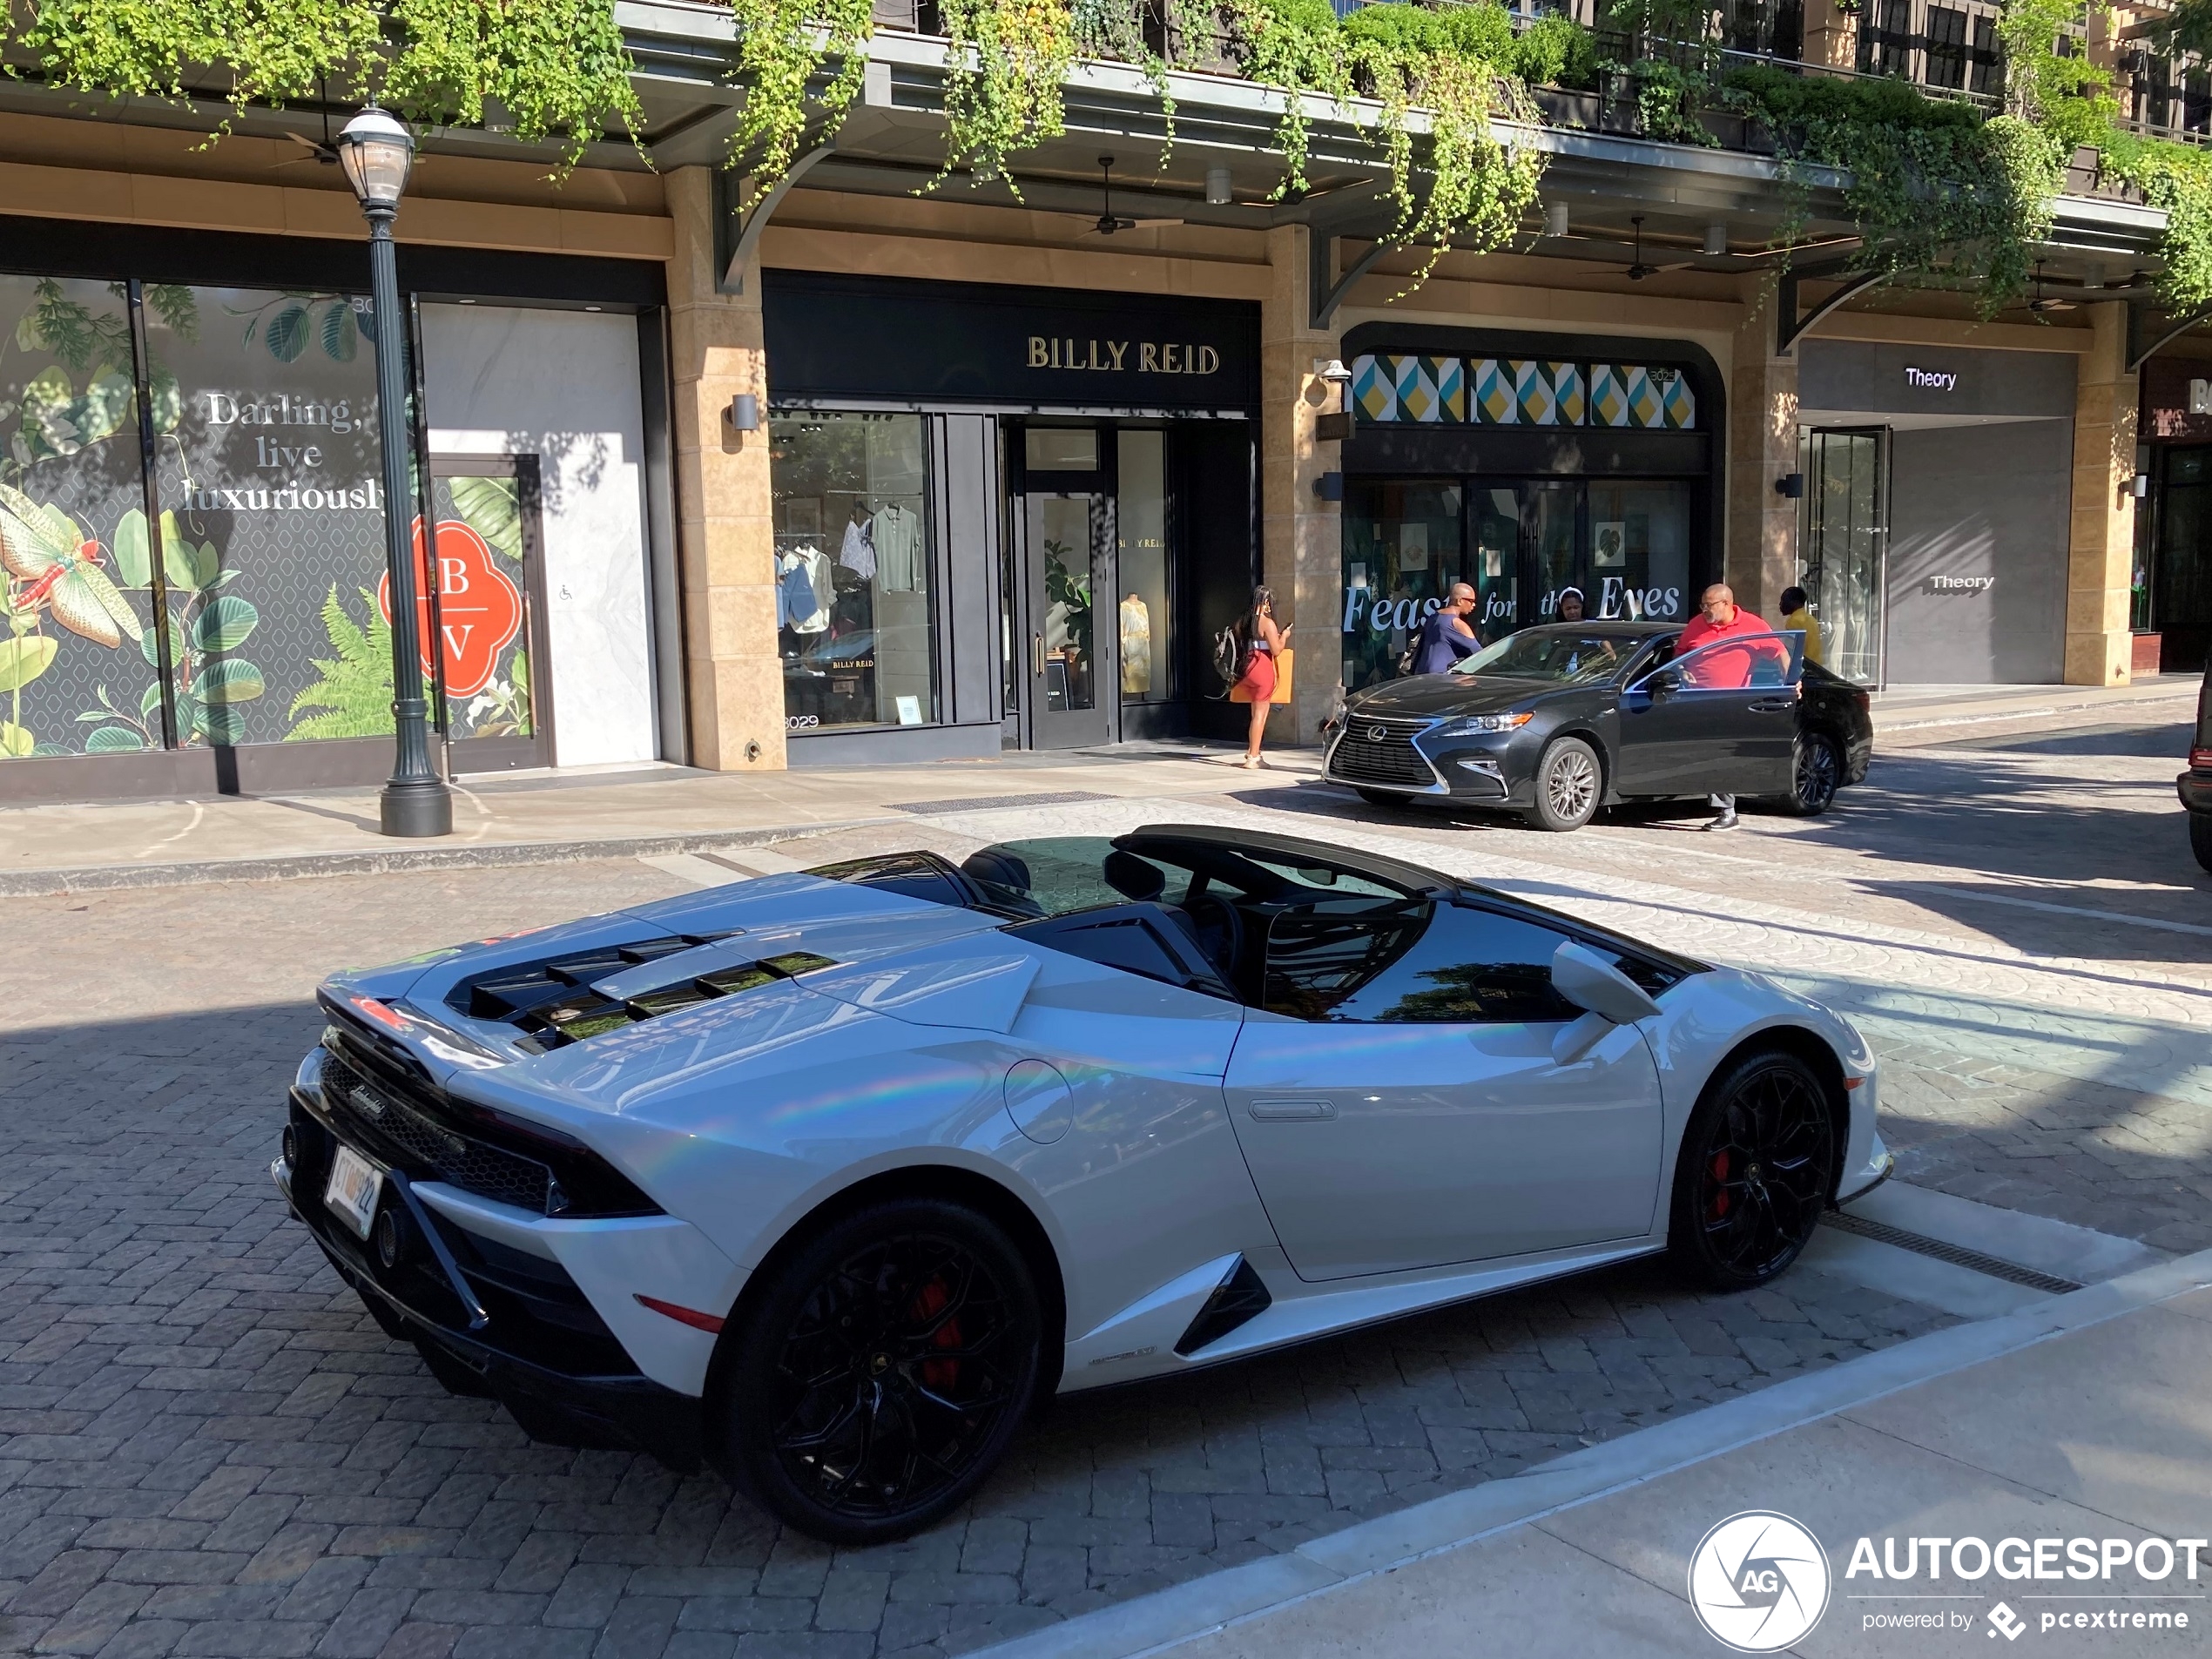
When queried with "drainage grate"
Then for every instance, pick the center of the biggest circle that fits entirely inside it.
(992, 803)
(1959, 1255)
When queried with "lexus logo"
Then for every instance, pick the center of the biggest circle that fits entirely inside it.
(1378, 733)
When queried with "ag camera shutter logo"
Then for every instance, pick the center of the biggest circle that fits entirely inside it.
(1758, 1582)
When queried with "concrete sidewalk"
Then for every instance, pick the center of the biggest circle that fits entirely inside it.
(2105, 1432)
(663, 810)
(564, 815)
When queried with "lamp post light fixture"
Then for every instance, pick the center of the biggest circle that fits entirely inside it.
(376, 152)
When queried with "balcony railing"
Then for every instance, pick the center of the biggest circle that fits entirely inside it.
(1947, 48)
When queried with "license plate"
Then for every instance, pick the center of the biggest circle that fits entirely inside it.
(353, 1189)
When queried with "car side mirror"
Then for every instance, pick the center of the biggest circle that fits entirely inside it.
(1588, 981)
(1608, 997)
(1662, 683)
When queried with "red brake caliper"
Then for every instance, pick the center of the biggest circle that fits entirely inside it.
(938, 1374)
(1720, 1193)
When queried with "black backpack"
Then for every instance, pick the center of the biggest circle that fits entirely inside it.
(1228, 659)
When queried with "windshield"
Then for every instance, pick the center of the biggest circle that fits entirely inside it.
(1564, 658)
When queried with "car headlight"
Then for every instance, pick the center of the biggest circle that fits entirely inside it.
(1469, 725)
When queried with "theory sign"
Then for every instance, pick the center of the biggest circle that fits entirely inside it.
(1933, 380)
(480, 609)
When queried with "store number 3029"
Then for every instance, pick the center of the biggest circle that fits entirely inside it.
(801, 722)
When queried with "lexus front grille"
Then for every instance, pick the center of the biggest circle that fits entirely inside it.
(1379, 750)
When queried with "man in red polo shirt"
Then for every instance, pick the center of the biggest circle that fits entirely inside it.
(1719, 618)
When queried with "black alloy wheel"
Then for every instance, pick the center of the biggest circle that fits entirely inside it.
(1756, 1169)
(1819, 774)
(874, 1387)
(1569, 785)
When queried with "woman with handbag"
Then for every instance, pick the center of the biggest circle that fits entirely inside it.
(1262, 641)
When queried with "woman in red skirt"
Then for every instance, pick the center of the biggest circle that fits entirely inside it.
(1263, 639)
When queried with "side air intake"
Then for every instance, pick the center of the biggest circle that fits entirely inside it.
(1236, 1298)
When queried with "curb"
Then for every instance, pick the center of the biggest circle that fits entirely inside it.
(108, 877)
(1169, 1618)
(2118, 704)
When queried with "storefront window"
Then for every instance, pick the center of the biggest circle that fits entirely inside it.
(1496, 527)
(1624, 546)
(1402, 554)
(1639, 551)
(853, 611)
(1140, 529)
(78, 653)
(270, 480)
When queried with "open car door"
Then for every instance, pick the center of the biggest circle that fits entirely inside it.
(1721, 720)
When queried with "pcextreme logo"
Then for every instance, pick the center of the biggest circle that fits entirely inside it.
(1758, 1582)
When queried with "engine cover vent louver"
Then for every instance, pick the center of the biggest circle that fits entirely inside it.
(552, 1003)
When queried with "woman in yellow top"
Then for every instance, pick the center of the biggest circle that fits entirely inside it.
(1794, 614)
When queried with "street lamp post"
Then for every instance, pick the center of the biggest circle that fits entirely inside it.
(376, 152)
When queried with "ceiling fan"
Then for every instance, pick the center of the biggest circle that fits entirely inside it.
(2044, 304)
(1107, 223)
(325, 152)
(1637, 272)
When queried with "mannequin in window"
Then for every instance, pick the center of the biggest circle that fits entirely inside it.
(1137, 647)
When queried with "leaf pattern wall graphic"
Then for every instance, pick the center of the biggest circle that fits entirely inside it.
(353, 698)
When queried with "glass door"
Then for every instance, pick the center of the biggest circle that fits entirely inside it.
(1551, 524)
(485, 604)
(1065, 544)
(1845, 537)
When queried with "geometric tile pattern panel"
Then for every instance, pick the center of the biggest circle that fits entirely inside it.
(1374, 393)
(1496, 399)
(1502, 391)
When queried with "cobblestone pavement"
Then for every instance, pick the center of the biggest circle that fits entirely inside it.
(208, 1447)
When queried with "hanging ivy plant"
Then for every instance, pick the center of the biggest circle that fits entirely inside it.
(1004, 71)
(1933, 185)
(557, 68)
(783, 45)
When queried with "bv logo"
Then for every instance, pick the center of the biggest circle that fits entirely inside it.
(1759, 1581)
(2008, 1623)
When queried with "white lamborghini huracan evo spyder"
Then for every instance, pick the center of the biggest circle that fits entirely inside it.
(827, 1178)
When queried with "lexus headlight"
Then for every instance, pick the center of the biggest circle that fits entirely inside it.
(1469, 725)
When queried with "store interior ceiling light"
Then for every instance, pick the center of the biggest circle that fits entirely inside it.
(1717, 238)
(1220, 191)
(1555, 218)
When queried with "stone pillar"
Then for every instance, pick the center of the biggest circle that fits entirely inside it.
(2100, 549)
(1761, 545)
(1831, 36)
(725, 541)
(1301, 536)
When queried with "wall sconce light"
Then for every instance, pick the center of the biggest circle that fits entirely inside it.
(1717, 238)
(1329, 486)
(744, 412)
(1335, 425)
(1555, 219)
(1791, 486)
(1220, 192)
(2142, 486)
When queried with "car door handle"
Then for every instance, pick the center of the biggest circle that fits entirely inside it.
(1773, 705)
(1291, 1111)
